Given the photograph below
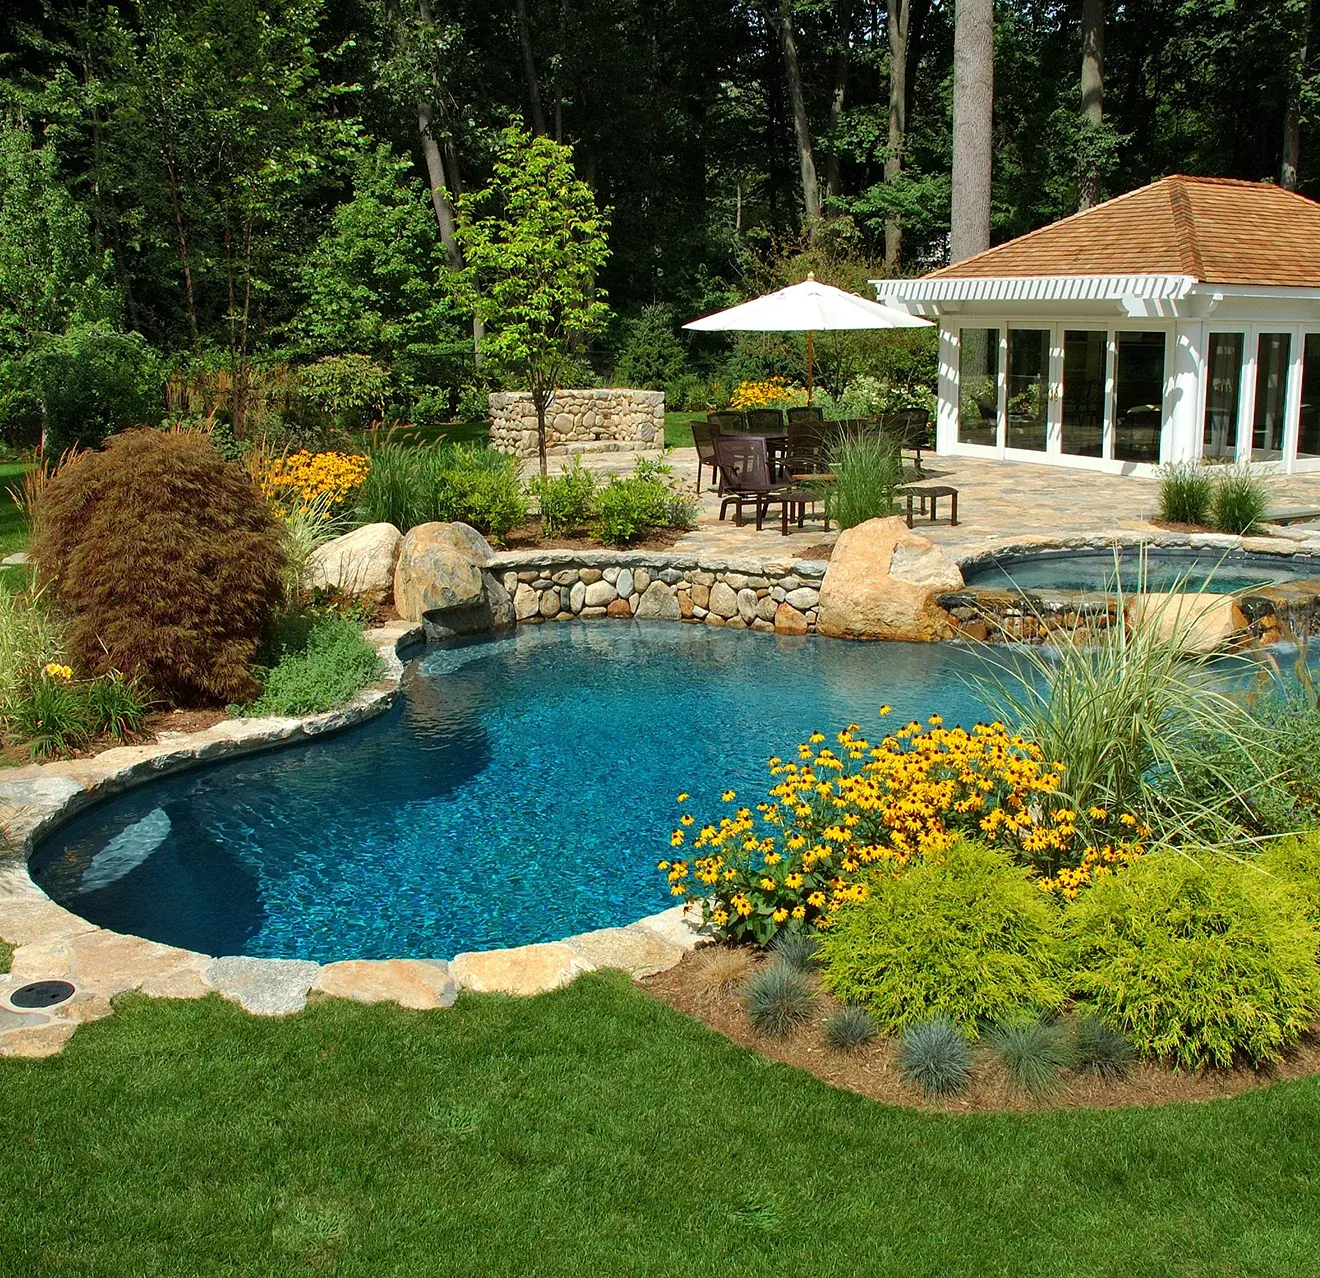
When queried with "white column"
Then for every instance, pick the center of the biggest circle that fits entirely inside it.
(946, 420)
(1183, 394)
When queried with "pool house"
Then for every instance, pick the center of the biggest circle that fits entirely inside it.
(1178, 321)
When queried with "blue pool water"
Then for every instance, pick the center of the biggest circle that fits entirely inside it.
(1219, 572)
(522, 790)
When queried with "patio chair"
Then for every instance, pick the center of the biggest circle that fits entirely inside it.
(704, 440)
(910, 428)
(745, 481)
(727, 423)
(808, 448)
(765, 421)
(796, 416)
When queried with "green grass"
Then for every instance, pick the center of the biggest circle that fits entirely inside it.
(6, 953)
(13, 527)
(678, 429)
(594, 1131)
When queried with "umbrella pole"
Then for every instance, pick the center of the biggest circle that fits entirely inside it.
(809, 337)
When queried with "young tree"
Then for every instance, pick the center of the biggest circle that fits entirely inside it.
(535, 243)
(973, 102)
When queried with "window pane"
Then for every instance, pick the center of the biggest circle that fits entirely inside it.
(1028, 387)
(1308, 435)
(1084, 392)
(1139, 396)
(978, 385)
(1272, 354)
(1222, 394)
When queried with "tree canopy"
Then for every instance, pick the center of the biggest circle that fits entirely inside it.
(285, 179)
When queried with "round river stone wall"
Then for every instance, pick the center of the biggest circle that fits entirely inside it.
(579, 421)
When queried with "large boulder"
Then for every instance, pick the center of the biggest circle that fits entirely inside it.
(1200, 623)
(441, 579)
(882, 582)
(359, 563)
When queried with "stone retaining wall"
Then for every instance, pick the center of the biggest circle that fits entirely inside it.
(740, 594)
(579, 421)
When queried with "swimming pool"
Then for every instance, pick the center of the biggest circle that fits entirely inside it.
(521, 790)
(1217, 571)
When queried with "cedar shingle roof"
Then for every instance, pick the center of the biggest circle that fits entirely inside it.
(1219, 230)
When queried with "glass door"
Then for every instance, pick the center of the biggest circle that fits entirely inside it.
(1223, 395)
(1028, 388)
(1085, 370)
(1273, 355)
(1138, 396)
(1308, 429)
(978, 386)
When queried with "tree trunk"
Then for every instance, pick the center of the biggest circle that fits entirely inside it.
(973, 104)
(529, 68)
(843, 29)
(801, 125)
(1093, 91)
(540, 400)
(1292, 116)
(435, 176)
(900, 15)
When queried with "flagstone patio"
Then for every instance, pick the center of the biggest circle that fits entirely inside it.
(998, 502)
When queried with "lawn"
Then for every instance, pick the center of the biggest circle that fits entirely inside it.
(594, 1131)
(678, 428)
(13, 527)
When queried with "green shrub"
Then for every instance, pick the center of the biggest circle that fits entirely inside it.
(1200, 960)
(1100, 1049)
(94, 381)
(474, 404)
(318, 669)
(491, 499)
(797, 949)
(566, 499)
(629, 508)
(778, 997)
(1032, 1055)
(166, 560)
(1240, 500)
(868, 467)
(935, 1057)
(849, 1028)
(651, 354)
(969, 937)
(1186, 491)
(1296, 862)
(350, 389)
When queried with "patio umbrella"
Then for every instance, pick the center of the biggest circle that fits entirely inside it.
(807, 307)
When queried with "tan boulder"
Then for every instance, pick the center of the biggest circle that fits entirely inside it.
(881, 583)
(408, 982)
(358, 563)
(1202, 623)
(788, 621)
(527, 969)
(439, 568)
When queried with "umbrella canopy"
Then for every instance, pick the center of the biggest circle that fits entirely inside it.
(808, 307)
(805, 308)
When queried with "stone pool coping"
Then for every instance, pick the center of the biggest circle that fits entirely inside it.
(52, 943)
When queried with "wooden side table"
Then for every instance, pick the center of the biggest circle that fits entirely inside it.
(932, 492)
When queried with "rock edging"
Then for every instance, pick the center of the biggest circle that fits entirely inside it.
(52, 943)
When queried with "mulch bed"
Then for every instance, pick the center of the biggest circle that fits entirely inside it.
(823, 551)
(530, 537)
(873, 1071)
(159, 721)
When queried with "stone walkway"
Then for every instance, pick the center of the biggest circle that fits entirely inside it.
(998, 502)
